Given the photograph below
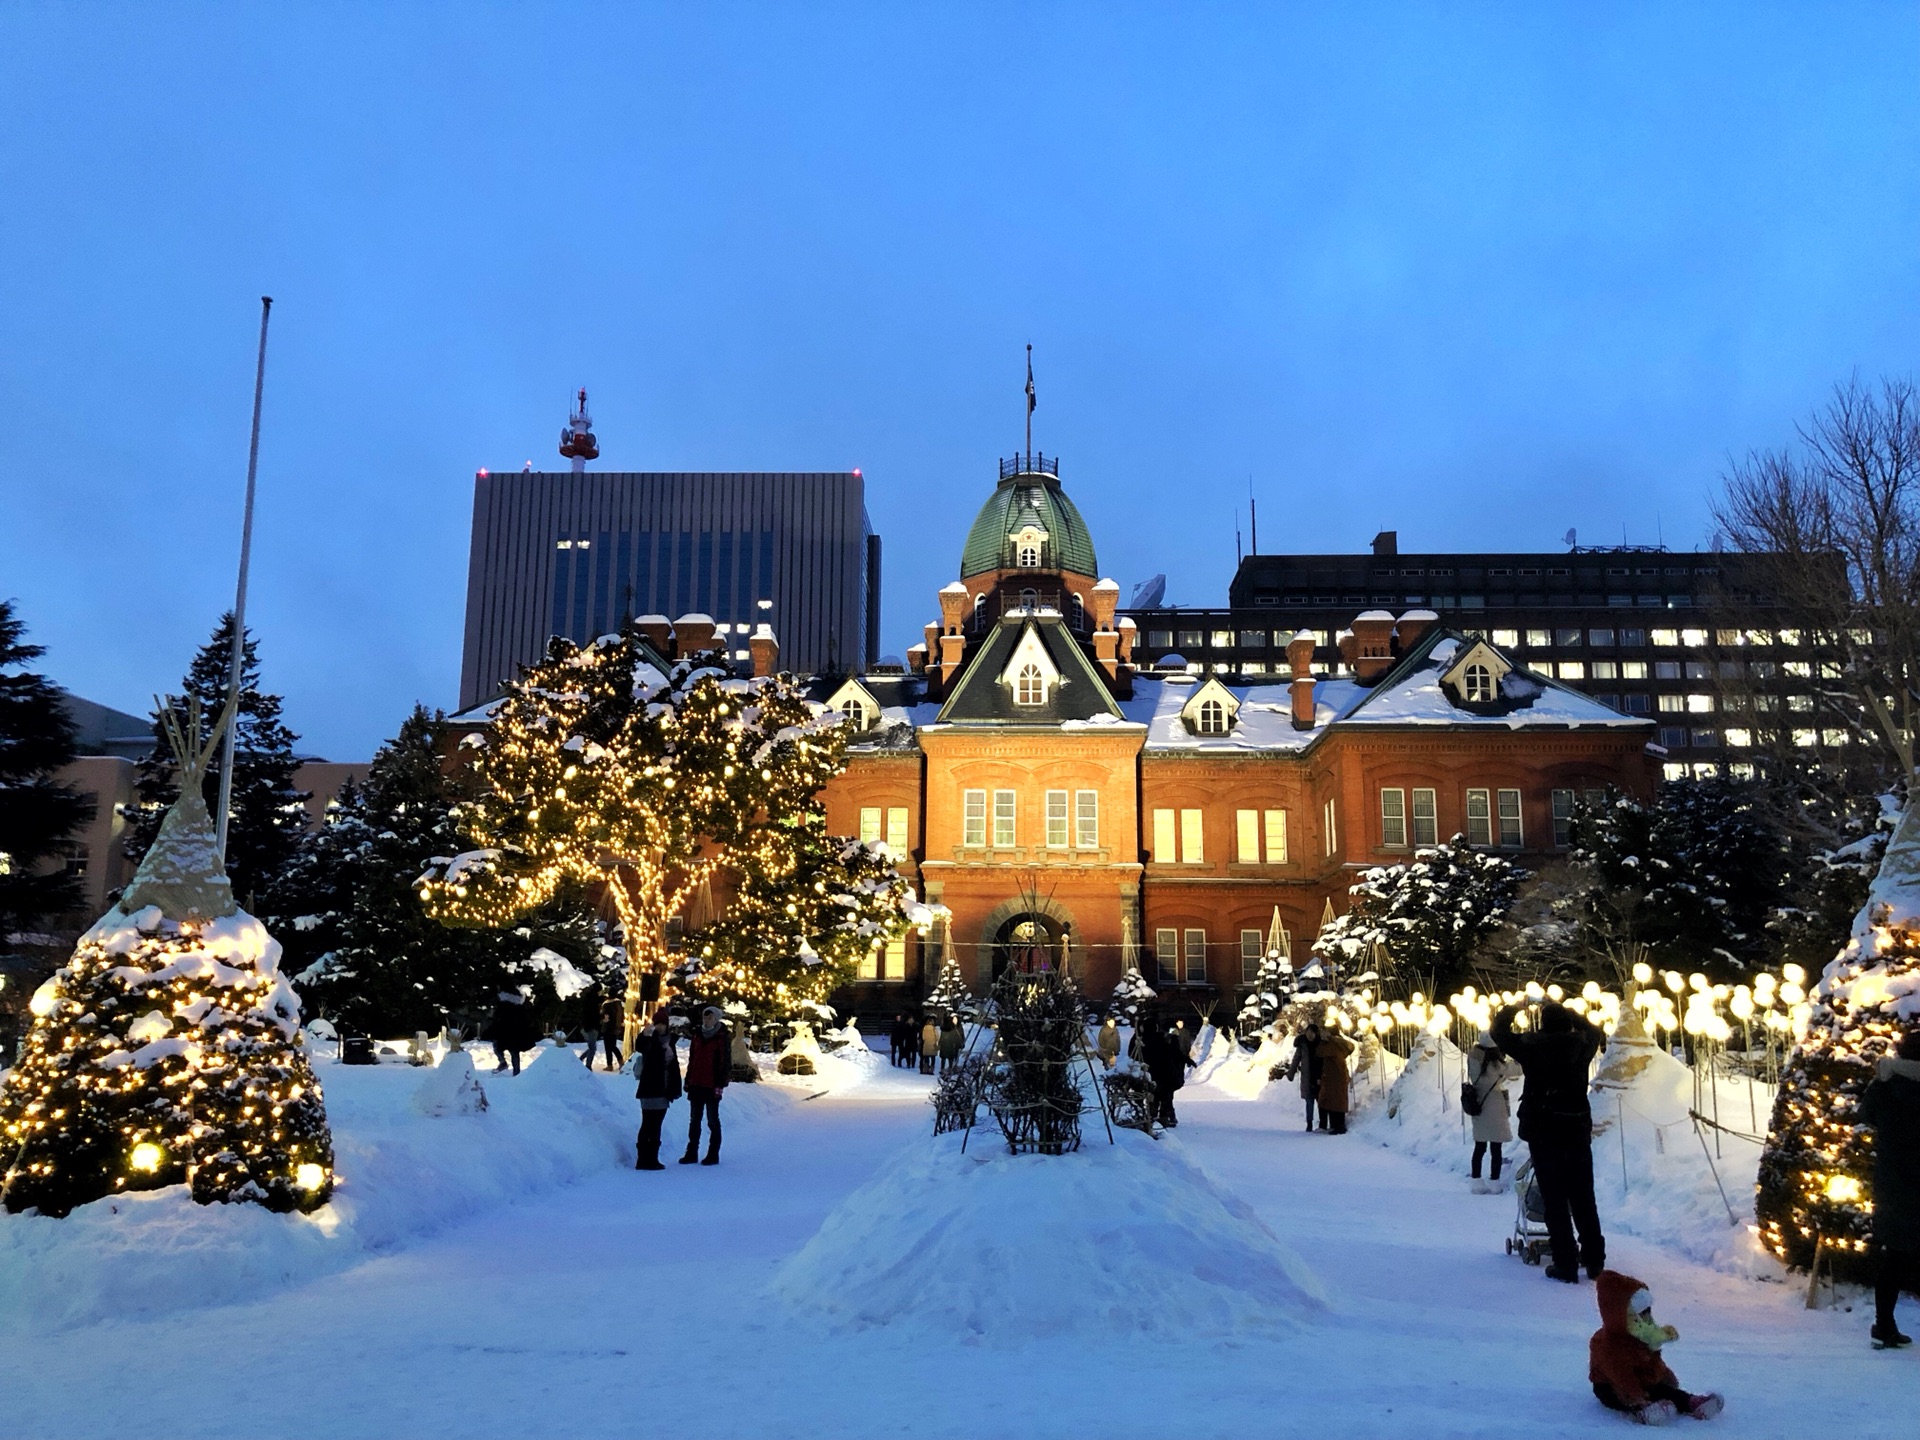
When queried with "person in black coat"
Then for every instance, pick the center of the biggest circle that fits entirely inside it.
(612, 1020)
(1167, 1063)
(1557, 1125)
(511, 1029)
(1891, 1105)
(659, 1087)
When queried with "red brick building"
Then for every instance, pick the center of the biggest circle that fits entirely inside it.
(1038, 785)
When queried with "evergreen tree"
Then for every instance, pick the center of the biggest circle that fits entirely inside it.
(361, 947)
(1272, 988)
(1816, 1172)
(807, 907)
(168, 1049)
(268, 815)
(1131, 996)
(950, 994)
(37, 815)
(1429, 915)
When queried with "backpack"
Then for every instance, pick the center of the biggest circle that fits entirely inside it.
(1471, 1100)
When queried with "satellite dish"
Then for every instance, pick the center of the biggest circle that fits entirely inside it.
(1149, 593)
(1570, 538)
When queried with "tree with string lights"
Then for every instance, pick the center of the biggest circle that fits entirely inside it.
(597, 768)
(168, 1049)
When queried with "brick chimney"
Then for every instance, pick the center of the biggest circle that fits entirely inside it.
(917, 658)
(693, 633)
(952, 647)
(1372, 646)
(766, 651)
(933, 637)
(1300, 657)
(1129, 632)
(1101, 604)
(955, 605)
(1348, 646)
(1106, 650)
(1412, 626)
(659, 632)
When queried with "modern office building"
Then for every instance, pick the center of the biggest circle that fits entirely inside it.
(1641, 629)
(575, 553)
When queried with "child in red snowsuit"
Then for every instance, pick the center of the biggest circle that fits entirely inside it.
(1624, 1361)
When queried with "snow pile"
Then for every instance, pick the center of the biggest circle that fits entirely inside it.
(450, 1088)
(991, 1248)
(1421, 1114)
(401, 1174)
(1244, 1074)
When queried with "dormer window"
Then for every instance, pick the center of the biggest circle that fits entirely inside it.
(1476, 682)
(1029, 557)
(1030, 686)
(1211, 718)
(1211, 710)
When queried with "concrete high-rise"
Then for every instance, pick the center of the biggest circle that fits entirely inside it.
(575, 553)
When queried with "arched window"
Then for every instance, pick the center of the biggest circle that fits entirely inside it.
(1212, 717)
(979, 609)
(1030, 686)
(1479, 684)
(1079, 612)
(1029, 556)
(856, 714)
(1029, 599)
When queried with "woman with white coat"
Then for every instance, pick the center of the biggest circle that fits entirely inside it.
(1489, 1072)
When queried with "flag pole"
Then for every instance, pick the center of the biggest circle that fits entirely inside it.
(238, 664)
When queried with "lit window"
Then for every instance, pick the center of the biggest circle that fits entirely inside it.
(1510, 819)
(1276, 823)
(1739, 737)
(1693, 637)
(973, 824)
(1606, 670)
(1246, 836)
(870, 824)
(1330, 826)
(1666, 637)
(1699, 704)
(1002, 819)
(1573, 670)
(1030, 686)
(1539, 639)
(1508, 638)
(1192, 848)
(1212, 717)
(1478, 683)
(895, 966)
(897, 830)
(1393, 818)
(1833, 737)
(1807, 739)
(1633, 669)
(1086, 819)
(1056, 819)
(1671, 704)
(1222, 639)
(1479, 817)
(1426, 824)
(1165, 841)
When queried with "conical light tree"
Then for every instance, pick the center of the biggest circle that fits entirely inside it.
(597, 768)
(949, 994)
(167, 1049)
(1815, 1193)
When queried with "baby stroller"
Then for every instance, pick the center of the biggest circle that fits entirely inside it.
(1529, 1237)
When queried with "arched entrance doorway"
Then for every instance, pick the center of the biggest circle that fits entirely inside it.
(1028, 941)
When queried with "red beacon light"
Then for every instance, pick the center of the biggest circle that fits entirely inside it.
(480, 474)
(856, 472)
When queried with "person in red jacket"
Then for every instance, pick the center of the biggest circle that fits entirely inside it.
(709, 1067)
(1623, 1358)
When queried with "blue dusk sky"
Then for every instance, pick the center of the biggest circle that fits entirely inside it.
(1475, 273)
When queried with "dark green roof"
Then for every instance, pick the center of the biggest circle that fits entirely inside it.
(981, 698)
(1016, 500)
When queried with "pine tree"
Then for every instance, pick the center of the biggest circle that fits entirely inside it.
(37, 814)
(1816, 1172)
(268, 816)
(807, 907)
(950, 993)
(1272, 988)
(168, 1049)
(1429, 915)
(1131, 996)
(360, 946)
(597, 770)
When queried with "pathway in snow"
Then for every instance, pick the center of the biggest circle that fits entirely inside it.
(630, 1304)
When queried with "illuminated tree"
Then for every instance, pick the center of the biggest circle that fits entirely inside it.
(949, 994)
(1815, 1191)
(167, 1050)
(597, 768)
(807, 908)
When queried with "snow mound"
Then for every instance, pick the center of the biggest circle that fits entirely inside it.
(556, 1073)
(1421, 1114)
(998, 1249)
(451, 1088)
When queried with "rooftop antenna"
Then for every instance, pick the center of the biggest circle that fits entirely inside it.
(1253, 520)
(237, 664)
(1032, 401)
(1237, 556)
(577, 440)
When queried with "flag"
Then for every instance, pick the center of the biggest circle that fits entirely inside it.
(1031, 400)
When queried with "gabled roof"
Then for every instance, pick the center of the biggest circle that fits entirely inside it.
(982, 697)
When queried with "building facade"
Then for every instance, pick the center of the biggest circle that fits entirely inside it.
(1640, 629)
(576, 553)
(1035, 774)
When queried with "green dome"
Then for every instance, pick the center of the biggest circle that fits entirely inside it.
(1028, 497)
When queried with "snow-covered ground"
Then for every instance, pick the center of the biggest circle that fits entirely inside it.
(507, 1274)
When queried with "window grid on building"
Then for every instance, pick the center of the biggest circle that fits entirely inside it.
(1165, 838)
(1393, 818)
(1056, 819)
(1330, 826)
(1510, 836)
(1166, 954)
(1276, 837)
(1426, 818)
(1192, 841)
(1003, 803)
(973, 822)
(897, 830)
(1086, 819)
(1479, 817)
(1251, 943)
(1196, 948)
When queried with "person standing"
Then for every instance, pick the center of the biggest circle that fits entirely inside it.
(1333, 1050)
(1107, 1042)
(929, 1045)
(896, 1040)
(1306, 1065)
(709, 1067)
(950, 1040)
(1557, 1125)
(613, 1020)
(1488, 1073)
(1891, 1105)
(659, 1087)
(511, 1029)
(1167, 1062)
